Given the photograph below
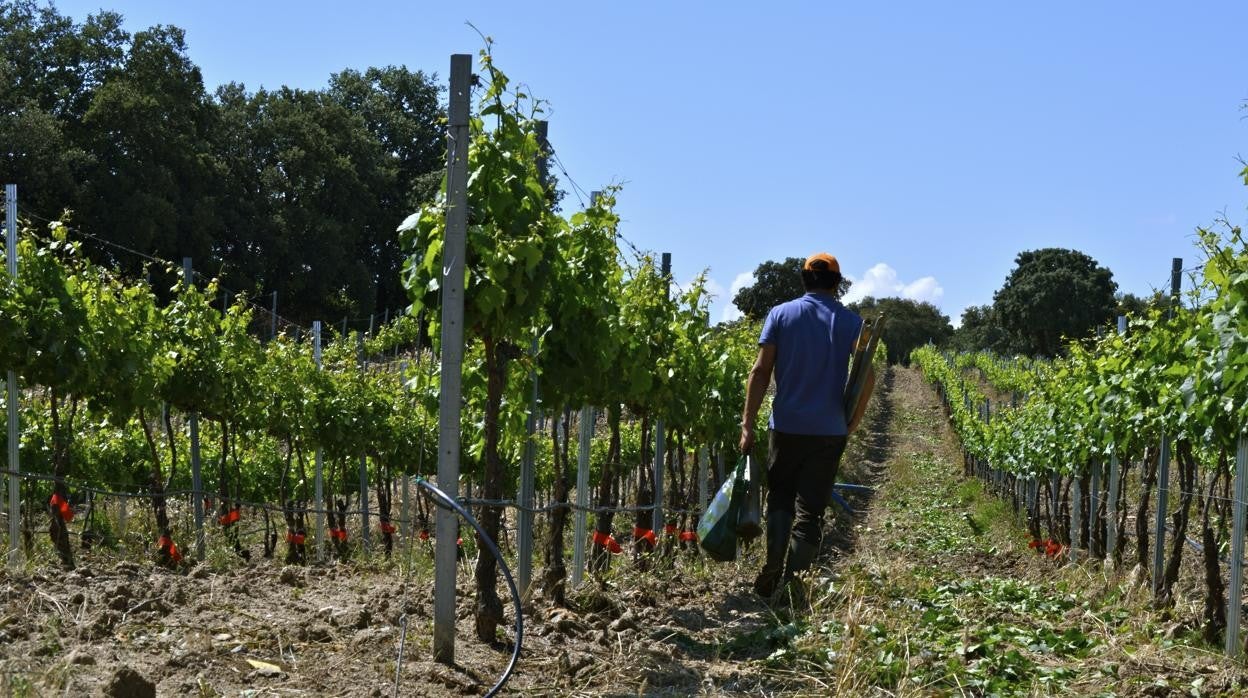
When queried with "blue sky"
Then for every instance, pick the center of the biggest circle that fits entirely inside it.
(925, 144)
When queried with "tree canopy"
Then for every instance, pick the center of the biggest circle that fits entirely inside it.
(1051, 294)
(285, 190)
(981, 331)
(910, 324)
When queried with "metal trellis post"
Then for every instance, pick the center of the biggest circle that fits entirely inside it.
(365, 535)
(524, 517)
(1076, 514)
(197, 483)
(10, 247)
(1234, 607)
(659, 436)
(452, 354)
(704, 457)
(1094, 506)
(528, 458)
(1111, 506)
(319, 481)
(1033, 498)
(404, 525)
(1163, 463)
(1159, 526)
(1055, 483)
(273, 318)
(582, 493)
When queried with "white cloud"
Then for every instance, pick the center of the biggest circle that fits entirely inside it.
(714, 289)
(881, 281)
(745, 278)
(730, 311)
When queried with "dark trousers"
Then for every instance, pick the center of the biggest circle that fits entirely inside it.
(801, 470)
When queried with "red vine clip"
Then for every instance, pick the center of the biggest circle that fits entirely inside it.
(230, 517)
(424, 534)
(166, 544)
(670, 529)
(640, 534)
(62, 507)
(296, 538)
(607, 541)
(688, 537)
(387, 527)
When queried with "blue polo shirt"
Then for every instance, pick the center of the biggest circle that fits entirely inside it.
(814, 336)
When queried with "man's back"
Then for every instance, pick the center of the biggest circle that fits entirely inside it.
(814, 336)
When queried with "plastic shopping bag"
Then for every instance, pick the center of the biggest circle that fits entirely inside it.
(750, 520)
(717, 530)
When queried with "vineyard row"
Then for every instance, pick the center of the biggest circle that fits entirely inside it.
(1120, 448)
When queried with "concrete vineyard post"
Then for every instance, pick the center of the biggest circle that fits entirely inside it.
(197, 483)
(10, 249)
(659, 437)
(453, 252)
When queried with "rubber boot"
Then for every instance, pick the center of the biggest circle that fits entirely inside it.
(801, 555)
(779, 524)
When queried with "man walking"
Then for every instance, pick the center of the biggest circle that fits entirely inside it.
(807, 342)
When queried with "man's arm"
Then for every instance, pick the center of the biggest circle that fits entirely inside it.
(755, 388)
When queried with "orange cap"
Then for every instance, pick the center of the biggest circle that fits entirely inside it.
(822, 261)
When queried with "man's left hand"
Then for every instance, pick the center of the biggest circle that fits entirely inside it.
(747, 439)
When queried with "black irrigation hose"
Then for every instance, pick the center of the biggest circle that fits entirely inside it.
(445, 500)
